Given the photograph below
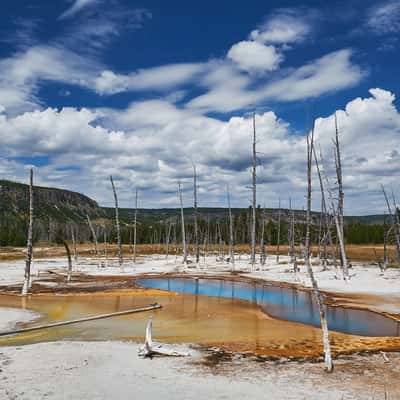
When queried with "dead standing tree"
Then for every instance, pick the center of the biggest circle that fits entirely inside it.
(386, 232)
(317, 295)
(263, 255)
(94, 236)
(231, 240)
(117, 224)
(327, 230)
(395, 226)
(196, 230)
(184, 248)
(69, 273)
(338, 165)
(340, 237)
(291, 238)
(254, 199)
(278, 239)
(74, 246)
(105, 246)
(27, 278)
(135, 227)
(167, 237)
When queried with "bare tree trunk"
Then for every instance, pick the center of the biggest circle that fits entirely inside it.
(120, 259)
(69, 275)
(175, 240)
(316, 292)
(105, 246)
(322, 240)
(96, 246)
(167, 239)
(254, 202)
(340, 237)
(27, 278)
(324, 210)
(135, 227)
(320, 234)
(385, 241)
(196, 233)
(395, 226)
(208, 240)
(262, 243)
(338, 164)
(292, 254)
(231, 241)
(396, 214)
(74, 246)
(184, 248)
(218, 240)
(279, 233)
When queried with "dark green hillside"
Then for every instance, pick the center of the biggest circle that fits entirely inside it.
(53, 208)
(57, 211)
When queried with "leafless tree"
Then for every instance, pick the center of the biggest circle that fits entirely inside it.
(135, 227)
(184, 247)
(74, 245)
(324, 211)
(196, 232)
(117, 224)
(386, 232)
(231, 239)
(207, 238)
(262, 241)
(96, 245)
(27, 278)
(279, 233)
(167, 239)
(340, 237)
(317, 295)
(219, 241)
(338, 164)
(395, 226)
(69, 274)
(291, 238)
(105, 245)
(254, 200)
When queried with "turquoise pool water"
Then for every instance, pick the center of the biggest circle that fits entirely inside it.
(282, 303)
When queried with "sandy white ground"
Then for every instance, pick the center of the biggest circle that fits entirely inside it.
(10, 317)
(113, 370)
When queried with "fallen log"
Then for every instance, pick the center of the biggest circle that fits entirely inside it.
(151, 349)
(75, 321)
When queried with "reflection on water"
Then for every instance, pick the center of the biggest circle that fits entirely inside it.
(283, 303)
(231, 322)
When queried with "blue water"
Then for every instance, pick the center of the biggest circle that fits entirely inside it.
(282, 303)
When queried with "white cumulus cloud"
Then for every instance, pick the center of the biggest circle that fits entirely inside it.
(151, 144)
(255, 57)
(283, 27)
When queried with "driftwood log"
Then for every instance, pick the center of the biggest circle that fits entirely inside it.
(151, 349)
(75, 321)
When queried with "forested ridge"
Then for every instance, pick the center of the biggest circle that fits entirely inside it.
(57, 210)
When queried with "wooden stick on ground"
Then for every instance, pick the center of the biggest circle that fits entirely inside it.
(75, 321)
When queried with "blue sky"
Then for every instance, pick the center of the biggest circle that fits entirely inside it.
(142, 90)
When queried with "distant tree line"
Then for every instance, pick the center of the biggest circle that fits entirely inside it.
(13, 230)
